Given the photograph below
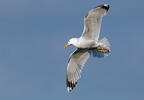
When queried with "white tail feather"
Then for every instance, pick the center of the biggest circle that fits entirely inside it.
(104, 43)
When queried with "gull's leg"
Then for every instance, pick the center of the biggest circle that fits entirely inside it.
(100, 52)
(101, 49)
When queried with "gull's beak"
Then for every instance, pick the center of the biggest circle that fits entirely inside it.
(66, 45)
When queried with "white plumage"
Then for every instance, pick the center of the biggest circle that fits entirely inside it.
(87, 44)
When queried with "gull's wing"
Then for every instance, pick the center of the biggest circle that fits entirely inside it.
(92, 22)
(75, 65)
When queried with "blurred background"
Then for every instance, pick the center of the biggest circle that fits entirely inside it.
(33, 61)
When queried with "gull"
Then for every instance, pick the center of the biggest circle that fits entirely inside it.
(88, 44)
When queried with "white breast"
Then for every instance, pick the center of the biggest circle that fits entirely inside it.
(84, 43)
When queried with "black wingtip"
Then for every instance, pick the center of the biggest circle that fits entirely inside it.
(70, 85)
(105, 6)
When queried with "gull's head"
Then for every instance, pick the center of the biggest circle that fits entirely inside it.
(72, 41)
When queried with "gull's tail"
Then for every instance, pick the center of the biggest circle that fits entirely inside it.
(103, 49)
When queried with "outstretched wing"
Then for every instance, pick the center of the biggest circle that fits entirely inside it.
(75, 65)
(92, 22)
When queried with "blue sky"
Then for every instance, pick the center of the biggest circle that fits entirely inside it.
(33, 61)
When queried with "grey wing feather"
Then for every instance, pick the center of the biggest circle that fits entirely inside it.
(92, 23)
(75, 65)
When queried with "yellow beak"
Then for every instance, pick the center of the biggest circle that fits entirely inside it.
(66, 45)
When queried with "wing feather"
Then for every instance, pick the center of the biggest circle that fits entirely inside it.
(92, 22)
(75, 65)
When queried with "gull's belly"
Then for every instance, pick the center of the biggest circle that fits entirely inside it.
(86, 44)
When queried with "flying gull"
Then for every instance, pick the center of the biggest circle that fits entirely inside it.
(88, 44)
